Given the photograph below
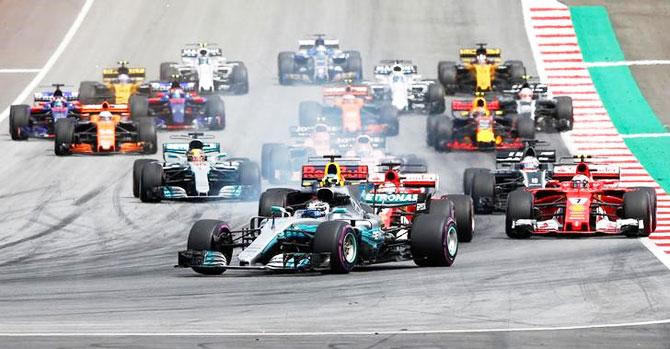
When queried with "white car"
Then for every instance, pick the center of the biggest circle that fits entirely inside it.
(409, 91)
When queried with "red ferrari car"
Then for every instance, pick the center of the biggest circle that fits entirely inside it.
(581, 198)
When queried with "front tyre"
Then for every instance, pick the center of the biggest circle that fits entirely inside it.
(210, 235)
(434, 241)
(339, 240)
(64, 136)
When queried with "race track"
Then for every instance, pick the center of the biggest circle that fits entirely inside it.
(78, 253)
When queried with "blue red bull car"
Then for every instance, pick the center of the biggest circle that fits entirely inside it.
(38, 120)
(177, 106)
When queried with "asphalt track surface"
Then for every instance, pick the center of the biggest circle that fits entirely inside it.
(79, 254)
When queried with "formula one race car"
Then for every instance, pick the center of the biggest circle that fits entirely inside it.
(528, 168)
(351, 109)
(478, 125)
(38, 120)
(480, 70)
(398, 194)
(195, 170)
(581, 199)
(105, 129)
(208, 69)
(409, 91)
(531, 100)
(322, 229)
(319, 61)
(118, 85)
(177, 106)
(282, 163)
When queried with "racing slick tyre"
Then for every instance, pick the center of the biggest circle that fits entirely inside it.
(483, 192)
(389, 117)
(564, 114)
(436, 103)
(444, 131)
(441, 207)
(19, 118)
(355, 64)
(652, 196)
(516, 72)
(168, 71)
(240, 77)
(215, 110)
(272, 197)
(250, 177)
(525, 128)
(637, 205)
(468, 176)
(266, 152)
(434, 241)
(431, 125)
(448, 76)
(64, 136)
(464, 216)
(146, 130)
(151, 181)
(285, 62)
(137, 174)
(210, 235)
(88, 94)
(308, 113)
(339, 240)
(139, 106)
(519, 206)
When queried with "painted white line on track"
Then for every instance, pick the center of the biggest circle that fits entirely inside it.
(628, 63)
(334, 333)
(19, 70)
(647, 135)
(54, 57)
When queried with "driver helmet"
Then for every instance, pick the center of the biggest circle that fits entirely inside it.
(105, 115)
(176, 93)
(348, 98)
(58, 102)
(124, 78)
(530, 163)
(196, 155)
(526, 95)
(363, 146)
(580, 181)
(316, 209)
(481, 58)
(319, 41)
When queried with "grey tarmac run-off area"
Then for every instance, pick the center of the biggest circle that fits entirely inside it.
(79, 254)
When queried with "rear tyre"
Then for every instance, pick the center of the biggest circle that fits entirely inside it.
(654, 206)
(447, 74)
(516, 72)
(215, 110)
(64, 136)
(431, 126)
(464, 216)
(469, 176)
(168, 71)
(280, 165)
(483, 192)
(285, 62)
(441, 207)
(240, 78)
(443, 134)
(272, 197)
(19, 120)
(151, 182)
(146, 129)
(434, 241)
(436, 103)
(519, 206)
(137, 174)
(564, 114)
(526, 128)
(250, 178)
(139, 106)
(266, 152)
(637, 205)
(210, 235)
(355, 64)
(389, 117)
(308, 113)
(88, 93)
(339, 240)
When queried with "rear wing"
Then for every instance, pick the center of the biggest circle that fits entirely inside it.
(545, 156)
(386, 67)
(339, 91)
(598, 172)
(409, 180)
(345, 143)
(467, 105)
(182, 148)
(195, 52)
(135, 74)
(539, 89)
(47, 96)
(164, 86)
(345, 174)
(467, 54)
(306, 44)
(97, 108)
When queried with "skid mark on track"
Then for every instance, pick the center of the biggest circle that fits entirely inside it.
(67, 220)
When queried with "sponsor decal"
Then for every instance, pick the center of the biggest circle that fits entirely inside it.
(395, 198)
